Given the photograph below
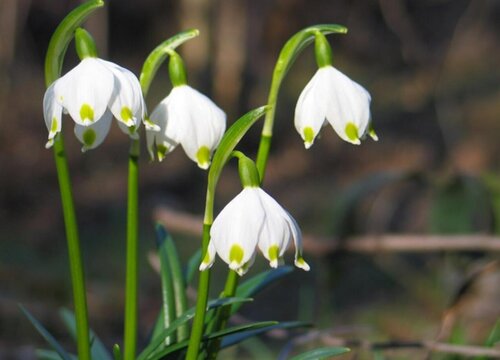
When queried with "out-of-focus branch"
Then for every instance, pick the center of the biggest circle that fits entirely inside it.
(192, 225)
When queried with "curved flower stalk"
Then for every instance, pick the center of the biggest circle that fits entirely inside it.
(331, 97)
(186, 117)
(92, 93)
(252, 219)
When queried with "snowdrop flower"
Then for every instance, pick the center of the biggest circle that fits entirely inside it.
(253, 219)
(331, 97)
(186, 117)
(92, 93)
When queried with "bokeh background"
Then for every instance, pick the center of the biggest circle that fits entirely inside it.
(432, 68)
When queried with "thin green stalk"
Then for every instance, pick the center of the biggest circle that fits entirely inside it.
(201, 302)
(75, 257)
(131, 281)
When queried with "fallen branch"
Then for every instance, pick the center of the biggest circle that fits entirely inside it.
(316, 245)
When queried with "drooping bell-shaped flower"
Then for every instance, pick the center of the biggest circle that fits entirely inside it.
(92, 93)
(252, 219)
(186, 117)
(330, 96)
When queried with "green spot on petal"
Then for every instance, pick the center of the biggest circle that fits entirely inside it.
(236, 254)
(161, 151)
(203, 157)
(86, 112)
(53, 126)
(206, 259)
(372, 133)
(308, 136)
(351, 132)
(89, 137)
(273, 253)
(126, 114)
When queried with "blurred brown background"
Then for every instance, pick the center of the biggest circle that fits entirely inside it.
(432, 68)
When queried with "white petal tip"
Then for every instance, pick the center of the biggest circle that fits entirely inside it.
(204, 266)
(301, 263)
(204, 166)
(49, 143)
(234, 266)
(374, 137)
(307, 145)
(355, 142)
(151, 127)
(273, 264)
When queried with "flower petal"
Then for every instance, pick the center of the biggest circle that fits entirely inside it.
(92, 136)
(209, 258)
(235, 231)
(310, 111)
(126, 103)
(52, 113)
(86, 91)
(161, 138)
(201, 123)
(349, 107)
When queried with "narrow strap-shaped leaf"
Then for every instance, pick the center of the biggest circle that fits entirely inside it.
(258, 282)
(493, 338)
(42, 354)
(63, 36)
(167, 247)
(167, 287)
(159, 54)
(97, 348)
(188, 315)
(228, 143)
(192, 266)
(233, 330)
(46, 334)
(239, 337)
(321, 353)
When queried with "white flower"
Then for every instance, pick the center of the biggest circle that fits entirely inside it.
(253, 219)
(91, 93)
(331, 96)
(189, 118)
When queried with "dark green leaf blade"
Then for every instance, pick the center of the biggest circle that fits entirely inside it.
(321, 353)
(188, 315)
(258, 282)
(46, 334)
(239, 337)
(97, 348)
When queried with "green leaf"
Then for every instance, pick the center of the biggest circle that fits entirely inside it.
(42, 354)
(159, 54)
(46, 334)
(97, 348)
(188, 315)
(239, 337)
(229, 141)
(171, 268)
(321, 353)
(259, 282)
(233, 330)
(459, 206)
(62, 37)
(492, 183)
(192, 266)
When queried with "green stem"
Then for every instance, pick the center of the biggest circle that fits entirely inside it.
(75, 257)
(263, 153)
(130, 331)
(201, 301)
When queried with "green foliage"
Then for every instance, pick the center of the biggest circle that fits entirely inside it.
(493, 338)
(97, 349)
(46, 335)
(321, 353)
